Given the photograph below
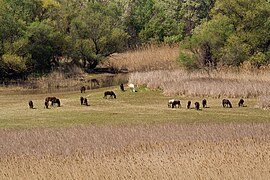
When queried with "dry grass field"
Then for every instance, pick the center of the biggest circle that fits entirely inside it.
(160, 151)
(135, 136)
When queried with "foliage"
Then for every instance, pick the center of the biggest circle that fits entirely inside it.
(12, 66)
(48, 33)
(238, 31)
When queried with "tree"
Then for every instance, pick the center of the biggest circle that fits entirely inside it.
(44, 46)
(238, 30)
(98, 32)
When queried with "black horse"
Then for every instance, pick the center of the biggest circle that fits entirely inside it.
(53, 100)
(188, 104)
(204, 103)
(122, 87)
(226, 103)
(81, 99)
(56, 101)
(109, 93)
(176, 102)
(197, 105)
(241, 103)
(84, 101)
(31, 104)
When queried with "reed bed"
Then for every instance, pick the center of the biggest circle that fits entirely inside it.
(147, 58)
(160, 151)
(218, 83)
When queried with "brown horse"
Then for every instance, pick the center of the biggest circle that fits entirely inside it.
(83, 88)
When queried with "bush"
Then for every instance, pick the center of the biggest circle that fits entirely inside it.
(13, 66)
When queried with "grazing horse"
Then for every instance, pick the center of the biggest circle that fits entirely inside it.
(176, 102)
(46, 104)
(188, 104)
(84, 101)
(241, 103)
(132, 87)
(197, 105)
(56, 101)
(83, 88)
(53, 100)
(122, 87)
(109, 93)
(173, 102)
(226, 103)
(31, 104)
(204, 103)
(170, 102)
(81, 99)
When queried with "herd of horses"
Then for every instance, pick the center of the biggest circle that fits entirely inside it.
(226, 103)
(172, 103)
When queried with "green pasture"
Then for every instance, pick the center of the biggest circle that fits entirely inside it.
(144, 106)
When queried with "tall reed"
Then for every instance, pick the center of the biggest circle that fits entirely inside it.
(217, 83)
(147, 58)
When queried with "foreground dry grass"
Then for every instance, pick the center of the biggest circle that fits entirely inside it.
(160, 151)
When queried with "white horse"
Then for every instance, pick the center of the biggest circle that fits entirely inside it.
(173, 102)
(132, 87)
(170, 102)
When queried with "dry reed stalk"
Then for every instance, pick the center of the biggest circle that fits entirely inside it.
(264, 102)
(148, 58)
(223, 83)
(161, 151)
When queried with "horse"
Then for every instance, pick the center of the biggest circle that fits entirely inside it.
(241, 103)
(53, 100)
(83, 88)
(84, 101)
(132, 87)
(81, 99)
(31, 104)
(204, 103)
(226, 103)
(188, 104)
(122, 87)
(109, 93)
(197, 105)
(46, 104)
(56, 101)
(173, 102)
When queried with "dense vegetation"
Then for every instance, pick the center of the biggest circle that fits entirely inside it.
(38, 36)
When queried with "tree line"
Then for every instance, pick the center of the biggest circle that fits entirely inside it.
(39, 36)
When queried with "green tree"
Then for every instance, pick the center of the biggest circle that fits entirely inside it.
(238, 30)
(97, 32)
(44, 46)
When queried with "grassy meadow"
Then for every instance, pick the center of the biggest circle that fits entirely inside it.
(142, 107)
(136, 135)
